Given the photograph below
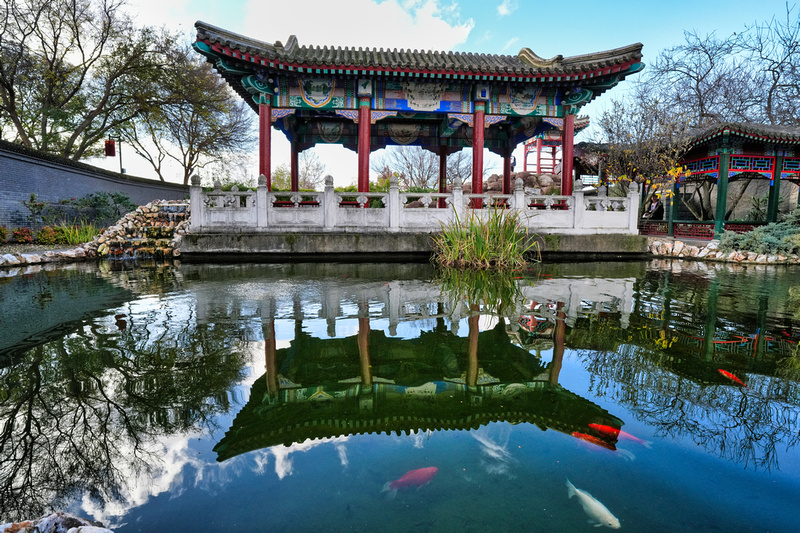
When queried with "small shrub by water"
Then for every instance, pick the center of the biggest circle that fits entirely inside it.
(22, 235)
(495, 241)
(776, 238)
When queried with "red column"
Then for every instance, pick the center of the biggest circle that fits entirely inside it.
(363, 144)
(295, 171)
(507, 173)
(265, 142)
(567, 140)
(477, 147)
(442, 173)
(539, 155)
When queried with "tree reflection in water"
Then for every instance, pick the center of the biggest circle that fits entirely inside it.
(81, 413)
(666, 368)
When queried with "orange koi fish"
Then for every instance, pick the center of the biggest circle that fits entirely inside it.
(594, 440)
(412, 478)
(617, 433)
(732, 377)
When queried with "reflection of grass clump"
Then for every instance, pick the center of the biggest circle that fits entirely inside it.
(497, 241)
(789, 368)
(494, 290)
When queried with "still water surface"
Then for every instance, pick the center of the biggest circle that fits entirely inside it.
(286, 397)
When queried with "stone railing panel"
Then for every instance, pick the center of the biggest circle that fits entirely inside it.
(394, 211)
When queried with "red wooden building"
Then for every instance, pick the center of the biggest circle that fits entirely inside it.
(367, 99)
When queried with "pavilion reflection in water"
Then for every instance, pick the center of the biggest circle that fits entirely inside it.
(373, 383)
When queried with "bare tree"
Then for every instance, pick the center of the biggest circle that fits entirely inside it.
(774, 48)
(704, 78)
(200, 122)
(417, 167)
(73, 70)
(643, 140)
(312, 171)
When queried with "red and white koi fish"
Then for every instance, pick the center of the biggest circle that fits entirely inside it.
(732, 377)
(413, 478)
(617, 433)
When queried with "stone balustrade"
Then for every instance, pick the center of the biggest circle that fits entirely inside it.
(237, 211)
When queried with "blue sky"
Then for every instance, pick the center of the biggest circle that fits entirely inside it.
(548, 28)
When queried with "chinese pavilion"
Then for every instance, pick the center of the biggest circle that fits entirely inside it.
(367, 99)
(724, 153)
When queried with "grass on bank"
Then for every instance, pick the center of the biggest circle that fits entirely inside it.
(487, 239)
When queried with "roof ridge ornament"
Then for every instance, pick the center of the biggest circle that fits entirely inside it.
(527, 55)
(291, 45)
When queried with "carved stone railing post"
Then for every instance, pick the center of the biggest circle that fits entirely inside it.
(459, 207)
(196, 204)
(578, 204)
(518, 197)
(394, 204)
(262, 205)
(633, 207)
(329, 204)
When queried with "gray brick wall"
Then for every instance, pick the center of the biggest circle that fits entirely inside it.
(24, 171)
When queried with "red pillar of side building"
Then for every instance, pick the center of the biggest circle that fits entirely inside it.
(363, 143)
(295, 170)
(265, 141)
(507, 172)
(442, 174)
(567, 152)
(477, 147)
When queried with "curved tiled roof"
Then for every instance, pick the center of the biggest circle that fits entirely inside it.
(758, 132)
(526, 63)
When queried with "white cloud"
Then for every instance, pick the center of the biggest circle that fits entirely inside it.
(511, 42)
(401, 24)
(507, 7)
(420, 24)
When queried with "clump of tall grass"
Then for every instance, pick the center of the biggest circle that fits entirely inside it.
(488, 239)
(69, 234)
(79, 233)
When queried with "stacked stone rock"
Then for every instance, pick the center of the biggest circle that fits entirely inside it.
(149, 231)
(710, 252)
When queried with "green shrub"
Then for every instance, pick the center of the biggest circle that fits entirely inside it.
(776, 238)
(3, 234)
(46, 235)
(22, 235)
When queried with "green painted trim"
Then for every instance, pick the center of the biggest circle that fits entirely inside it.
(672, 211)
(775, 191)
(722, 193)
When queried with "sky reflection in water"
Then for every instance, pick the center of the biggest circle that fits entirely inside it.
(314, 385)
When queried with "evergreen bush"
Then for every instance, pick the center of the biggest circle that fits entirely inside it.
(776, 238)
(3, 234)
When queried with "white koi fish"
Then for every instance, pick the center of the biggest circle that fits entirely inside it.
(598, 514)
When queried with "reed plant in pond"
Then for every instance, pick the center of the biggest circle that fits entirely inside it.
(489, 238)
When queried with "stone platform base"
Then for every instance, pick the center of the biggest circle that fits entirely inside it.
(377, 246)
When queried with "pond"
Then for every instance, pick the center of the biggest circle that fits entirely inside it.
(651, 396)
